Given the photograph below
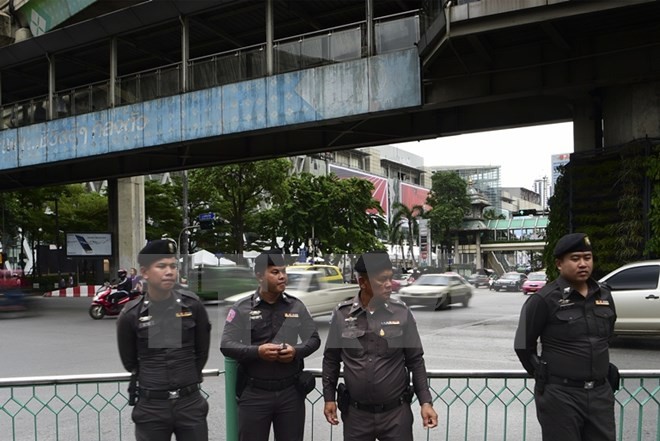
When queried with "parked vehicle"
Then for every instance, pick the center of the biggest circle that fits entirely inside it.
(102, 306)
(510, 282)
(636, 293)
(535, 281)
(319, 296)
(437, 291)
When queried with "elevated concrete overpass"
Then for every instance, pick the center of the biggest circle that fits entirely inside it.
(314, 76)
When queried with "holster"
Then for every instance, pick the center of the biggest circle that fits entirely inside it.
(613, 377)
(541, 376)
(241, 380)
(343, 398)
(133, 390)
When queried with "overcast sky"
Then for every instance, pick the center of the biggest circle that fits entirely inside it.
(524, 154)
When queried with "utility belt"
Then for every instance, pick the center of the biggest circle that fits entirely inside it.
(345, 402)
(273, 385)
(575, 383)
(169, 394)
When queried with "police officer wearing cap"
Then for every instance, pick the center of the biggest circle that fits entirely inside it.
(573, 317)
(269, 333)
(377, 340)
(164, 337)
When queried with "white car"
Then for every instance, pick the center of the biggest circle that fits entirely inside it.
(437, 291)
(636, 292)
(320, 297)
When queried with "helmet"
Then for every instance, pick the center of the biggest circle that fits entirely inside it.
(122, 273)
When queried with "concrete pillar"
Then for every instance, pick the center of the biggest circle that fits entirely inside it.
(477, 260)
(631, 112)
(587, 124)
(127, 221)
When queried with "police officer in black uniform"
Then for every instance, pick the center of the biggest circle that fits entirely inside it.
(574, 318)
(269, 334)
(377, 340)
(164, 337)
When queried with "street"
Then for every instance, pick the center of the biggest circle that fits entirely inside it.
(61, 338)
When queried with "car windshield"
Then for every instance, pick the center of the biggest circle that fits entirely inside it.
(432, 279)
(511, 276)
(295, 281)
(536, 277)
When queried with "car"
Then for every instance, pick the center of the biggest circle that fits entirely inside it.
(319, 297)
(219, 282)
(478, 279)
(636, 293)
(535, 281)
(331, 273)
(509, 282)
(437, 291)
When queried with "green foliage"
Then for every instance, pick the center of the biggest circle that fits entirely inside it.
(450, 202)
(653, 172)
(404, 216)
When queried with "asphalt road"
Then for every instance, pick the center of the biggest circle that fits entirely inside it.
(61, 339)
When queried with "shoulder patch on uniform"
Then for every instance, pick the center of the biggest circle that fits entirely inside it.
(133, 303)
(396, 302)
(345, 303)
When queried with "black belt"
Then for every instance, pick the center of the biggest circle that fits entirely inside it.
(575, 383)
(169, 394)
(273, 385)
(377, 408)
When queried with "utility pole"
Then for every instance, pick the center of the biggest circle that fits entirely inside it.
(184, 246)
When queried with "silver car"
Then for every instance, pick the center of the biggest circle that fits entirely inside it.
(636, 293)
(437, 291)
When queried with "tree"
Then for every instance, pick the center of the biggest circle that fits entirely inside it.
(408, 216)
(340, 214)
(162, 204)
(449, 201)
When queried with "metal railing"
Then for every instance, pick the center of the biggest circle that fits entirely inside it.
(333, 45)
(485, 405)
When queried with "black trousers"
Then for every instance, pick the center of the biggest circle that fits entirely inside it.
(393, 425)
(258, 408)
(575, 414)
(157, 420)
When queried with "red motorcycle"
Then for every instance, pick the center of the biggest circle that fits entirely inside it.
(102, 304)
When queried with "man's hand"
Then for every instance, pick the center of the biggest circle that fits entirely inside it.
(330, 412)
(269, 351)
(429, 417)
(286, 354)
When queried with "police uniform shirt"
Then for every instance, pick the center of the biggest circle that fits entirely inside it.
(574, 330)
(252, 322)
(167, 341)
(378, 350)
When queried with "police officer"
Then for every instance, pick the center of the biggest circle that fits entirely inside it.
(377, 340)
(164, 338)
(269, 334)
(574, 318)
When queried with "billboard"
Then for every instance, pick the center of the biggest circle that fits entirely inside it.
(88, 244)
(381, 190)
(412, 195)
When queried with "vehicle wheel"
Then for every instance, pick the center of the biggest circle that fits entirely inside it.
(96, 312)
(442, 304)
(496, 289)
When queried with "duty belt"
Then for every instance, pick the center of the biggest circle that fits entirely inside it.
(273, 385)
(169, 394)
(377, 408)
(575, 383)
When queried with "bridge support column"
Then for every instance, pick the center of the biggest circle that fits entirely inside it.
(631, 112)
(127, 220)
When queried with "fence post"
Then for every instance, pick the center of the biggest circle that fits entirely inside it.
(231, 409)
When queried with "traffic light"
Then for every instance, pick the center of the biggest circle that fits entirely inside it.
(206, 221)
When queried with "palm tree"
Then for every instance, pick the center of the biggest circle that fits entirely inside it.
(395, 236)
(404, 215)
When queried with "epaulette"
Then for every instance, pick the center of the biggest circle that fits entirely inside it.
(186, 293)
(397, 302)
(345, 303)
(133, 303)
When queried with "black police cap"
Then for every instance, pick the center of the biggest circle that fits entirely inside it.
(572, 243)
(373, 262)
(268, 258)
(156, 250)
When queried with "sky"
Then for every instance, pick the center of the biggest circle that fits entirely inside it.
(524, 154)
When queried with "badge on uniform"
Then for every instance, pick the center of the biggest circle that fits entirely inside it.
(391, 322)
(603, 302)
(145, 318)
(291, 315)
(184, 314)
(255, 315)
(381, 333)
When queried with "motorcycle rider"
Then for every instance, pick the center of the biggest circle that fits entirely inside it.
(124, 287)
